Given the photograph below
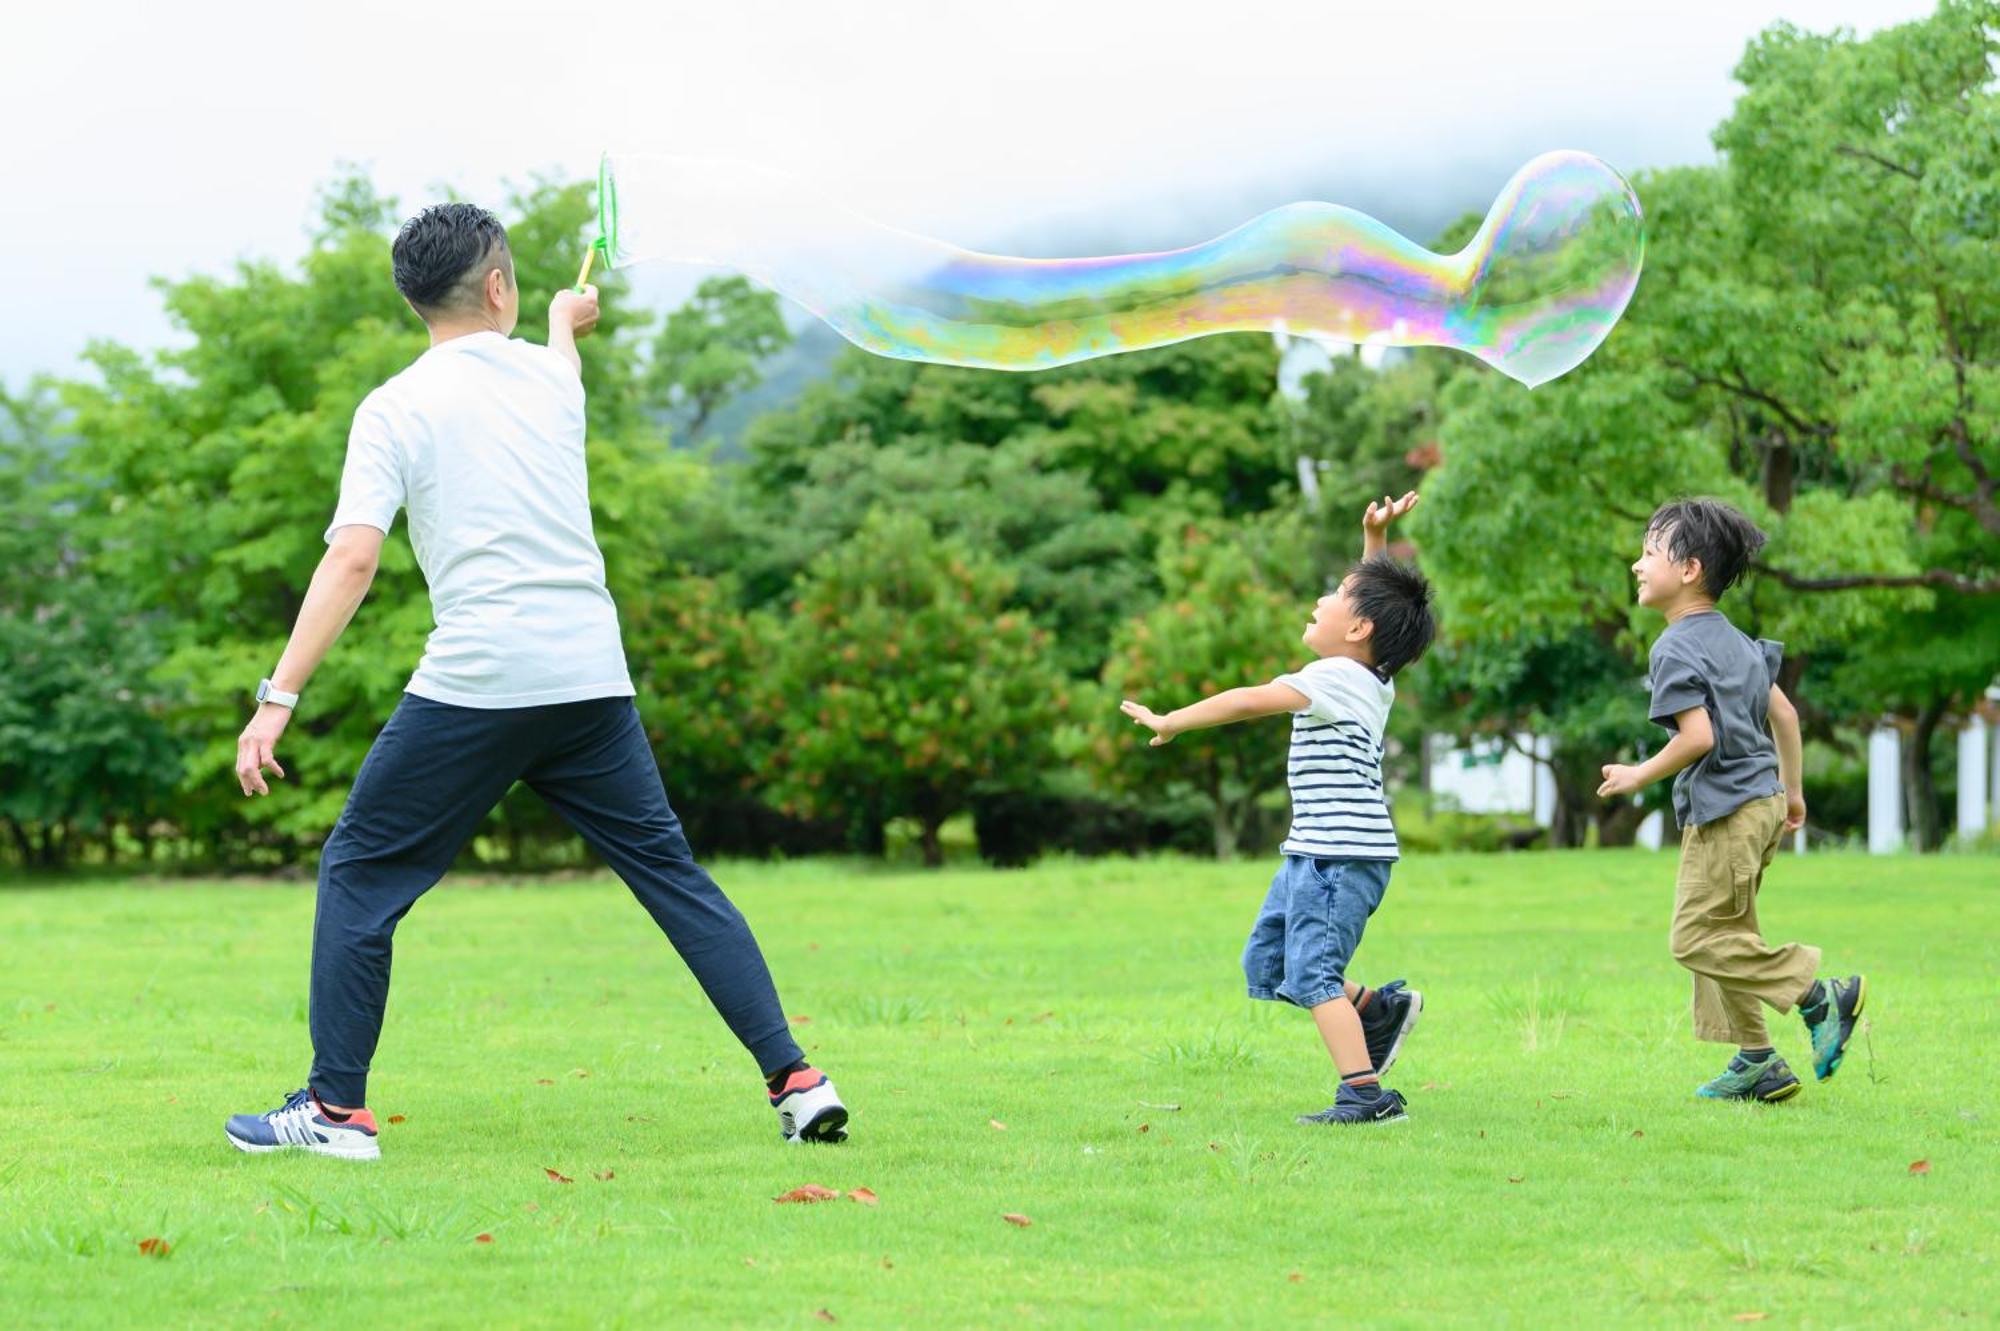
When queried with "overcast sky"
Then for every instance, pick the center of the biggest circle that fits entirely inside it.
(147, 140)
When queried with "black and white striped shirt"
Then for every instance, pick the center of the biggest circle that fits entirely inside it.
(1335, 768)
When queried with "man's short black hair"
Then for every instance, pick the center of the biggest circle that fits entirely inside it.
(1709, 530)
(443, 252)
(1397, 599)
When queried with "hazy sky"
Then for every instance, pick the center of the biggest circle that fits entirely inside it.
(150, 139)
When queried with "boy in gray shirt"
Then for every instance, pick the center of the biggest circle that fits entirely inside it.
(1736, 793)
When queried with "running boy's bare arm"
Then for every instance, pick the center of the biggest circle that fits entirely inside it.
(1245, 704)
(1693, 737)
(1784, 720)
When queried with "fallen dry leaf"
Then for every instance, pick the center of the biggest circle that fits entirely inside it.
(155, 1247)
(1435, 1086)
(545, 1081)
(532, 1206)
(579, 1072)
(482, 1238)
(1016, 1218)
(811, 1192)
(1638, 1132)
(1043, 1016)
(555, 1177)
(749, 1261)
(866, 1196)
(1213, 1147)
(398, 1118)
(1482, 1132)
(825, 1316)
(998, 1126)
(888, 1265)
(1516, 1178)
(800, 1020)
(1295, 1278)
(638, 1118)
(1920, 1166)
(1749, 1317)
(606, 1176)
(1145, 1127)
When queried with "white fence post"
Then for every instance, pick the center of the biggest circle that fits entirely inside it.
(1885, 791)
(1972, 772)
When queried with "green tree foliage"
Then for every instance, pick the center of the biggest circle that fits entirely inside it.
(713, 348)
(904, 682)
(84, 749)
(1814, 340)
(1223, 621)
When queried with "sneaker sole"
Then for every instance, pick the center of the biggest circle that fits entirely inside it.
(1409, 1024)
(829, 1125)
(1840, 1050)
(372, 1150)
(1780, 1095)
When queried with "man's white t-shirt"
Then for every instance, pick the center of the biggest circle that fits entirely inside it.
(1335, 766)
(481, 438)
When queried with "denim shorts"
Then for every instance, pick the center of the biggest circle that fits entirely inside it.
(1309, 927)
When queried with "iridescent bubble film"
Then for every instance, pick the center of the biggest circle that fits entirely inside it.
(1534, 292)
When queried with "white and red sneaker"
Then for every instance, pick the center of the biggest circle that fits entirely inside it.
(809, 1109)
(302, 1123)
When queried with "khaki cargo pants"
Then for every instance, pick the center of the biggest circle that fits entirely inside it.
(1715, 932)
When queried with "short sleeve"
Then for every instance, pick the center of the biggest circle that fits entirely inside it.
(371, 484)
(1676, 686)
(1774, 656)
(1333, 694)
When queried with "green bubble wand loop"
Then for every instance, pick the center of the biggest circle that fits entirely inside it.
(607, 223)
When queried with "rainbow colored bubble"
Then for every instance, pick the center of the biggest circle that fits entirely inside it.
(1534, 292)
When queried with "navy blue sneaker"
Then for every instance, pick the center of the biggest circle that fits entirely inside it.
(1839, 1009)
(1349, 1106)
(1391, 1016)
(1768, 1080)
(301, 1124)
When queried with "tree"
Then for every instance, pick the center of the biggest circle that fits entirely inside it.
(1813, 341)
(1223, 621)
(712, 348)
(84, 752)
(905, 682)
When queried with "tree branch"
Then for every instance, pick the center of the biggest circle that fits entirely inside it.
(1847, 150)
(1934, 577)
(1742, 389)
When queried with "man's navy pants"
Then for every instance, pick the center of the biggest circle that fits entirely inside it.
(432, 775)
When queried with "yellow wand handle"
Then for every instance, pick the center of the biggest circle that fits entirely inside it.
(589, 258)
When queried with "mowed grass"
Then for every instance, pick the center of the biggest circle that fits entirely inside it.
(1069, 1044)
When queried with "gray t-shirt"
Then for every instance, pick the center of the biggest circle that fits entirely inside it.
(1705, 661)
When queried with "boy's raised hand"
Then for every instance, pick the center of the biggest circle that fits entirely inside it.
(1375, 522)
(1146, 716)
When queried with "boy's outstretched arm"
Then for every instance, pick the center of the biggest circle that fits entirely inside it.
(1693, 737)
(1791, 757)
(1245, 704)
(1375, 522)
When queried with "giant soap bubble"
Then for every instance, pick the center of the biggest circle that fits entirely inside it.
(1532, 294)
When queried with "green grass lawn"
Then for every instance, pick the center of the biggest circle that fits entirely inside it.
(1068, 1043)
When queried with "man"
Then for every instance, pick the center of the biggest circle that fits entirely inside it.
(523, 678)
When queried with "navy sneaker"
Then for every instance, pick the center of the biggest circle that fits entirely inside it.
(1842, 1004)
(301, 1124)
(1391, 1016)
(1769, 1080)
(1349, 1106)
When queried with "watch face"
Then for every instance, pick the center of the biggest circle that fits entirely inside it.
(263, 689)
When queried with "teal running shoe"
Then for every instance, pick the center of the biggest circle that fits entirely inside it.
(1832, 1023)
(1767, 1081)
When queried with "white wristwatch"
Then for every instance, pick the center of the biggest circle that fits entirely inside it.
(267, 693)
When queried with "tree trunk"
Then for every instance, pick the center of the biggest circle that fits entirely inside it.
(1919, 790)
(928, 839)
(1780, 472)
(1618, 825)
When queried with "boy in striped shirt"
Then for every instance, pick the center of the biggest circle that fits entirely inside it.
(1337, 856)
